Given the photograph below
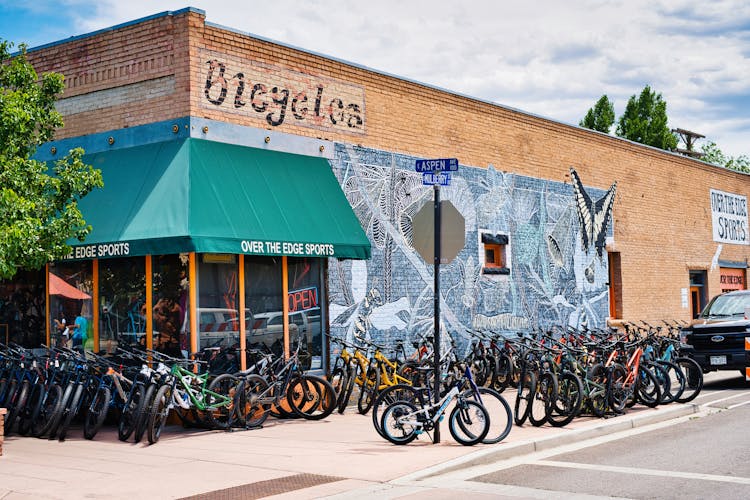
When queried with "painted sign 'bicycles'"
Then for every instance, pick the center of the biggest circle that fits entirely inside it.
(280, 96)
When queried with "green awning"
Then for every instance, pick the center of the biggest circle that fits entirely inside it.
(203, 196)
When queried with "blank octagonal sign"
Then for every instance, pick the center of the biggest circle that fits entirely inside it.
(452, 232)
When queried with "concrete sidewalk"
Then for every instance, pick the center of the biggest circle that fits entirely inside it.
(289, 458)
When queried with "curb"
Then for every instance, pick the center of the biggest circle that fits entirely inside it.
(513, 450)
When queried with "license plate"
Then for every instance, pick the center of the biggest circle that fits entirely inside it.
(718, 360)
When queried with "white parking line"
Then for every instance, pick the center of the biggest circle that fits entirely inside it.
(726, 398)
(738, 404)
(644, 472)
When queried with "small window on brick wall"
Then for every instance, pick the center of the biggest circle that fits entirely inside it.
(495, 254)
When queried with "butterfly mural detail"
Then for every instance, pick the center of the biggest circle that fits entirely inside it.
(593, 215)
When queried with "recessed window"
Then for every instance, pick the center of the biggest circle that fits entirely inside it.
(495, 254)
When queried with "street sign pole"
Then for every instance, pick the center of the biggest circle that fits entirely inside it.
(436, 337)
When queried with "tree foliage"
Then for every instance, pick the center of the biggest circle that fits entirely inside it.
(645, 121)
(38, 203)
(601, 117)
(712, 154)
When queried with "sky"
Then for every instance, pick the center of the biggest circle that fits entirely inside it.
(550, 58)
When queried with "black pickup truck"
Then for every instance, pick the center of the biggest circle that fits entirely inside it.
(720, 338)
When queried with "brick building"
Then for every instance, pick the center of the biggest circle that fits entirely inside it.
(176, 101)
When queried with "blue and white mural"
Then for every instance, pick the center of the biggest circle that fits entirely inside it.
(555, 252)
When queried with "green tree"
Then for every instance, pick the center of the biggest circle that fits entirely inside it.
(714, 155)
(601, 117)
(645, 121)
(38, 203)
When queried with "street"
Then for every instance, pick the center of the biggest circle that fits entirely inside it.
(706, 455)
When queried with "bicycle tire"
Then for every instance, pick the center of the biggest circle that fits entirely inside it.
(676, 381)
(389, 395)
(597, 390)
(255, 412)
(51, 406)
(498, 410)
(522, 406)
(58, 417)
(351, 375)
(17, 405)
(662, 378)
(10, 390)
(693, 379)
(544, 398)
(221, 417)
(70, 413)
(502, 373)
(315, 394)
(567, 404)
(464, 417)
(398, 432)
(158, 413)
(33, 406)
(96, 412)
(129, 414)
(338, 381)
(145, 411)
(369, 390)
(648, 388)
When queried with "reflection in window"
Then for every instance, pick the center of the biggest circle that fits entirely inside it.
(217, 301)
(71, 285)
(122, 302)
(305, 319)
(263, 300)
(171, 320)
(22, 309)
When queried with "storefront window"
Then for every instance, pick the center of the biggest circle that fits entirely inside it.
(305, 320)
(171, 319)
(122, 302)
(71, 286)
(218, 319)
(263, 293)
(22, 309)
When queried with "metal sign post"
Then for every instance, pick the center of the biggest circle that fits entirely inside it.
(436, 338)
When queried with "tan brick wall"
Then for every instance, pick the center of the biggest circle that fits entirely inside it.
(662, 215)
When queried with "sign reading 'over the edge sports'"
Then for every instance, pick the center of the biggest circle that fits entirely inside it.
(729, 217)
(278, 96)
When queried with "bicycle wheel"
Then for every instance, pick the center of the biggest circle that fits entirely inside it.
(338, 381)
(343, 402)
(468, 422)
(70, 412)
(17, 405)
(662, 378)
(157, 416)
(396, 428)
(141, 421)
(498, 410)
(619, 391)
(311, 397)
(58, 416)
(676, 381)
(51, 406)
(220, 407)
(543, 399)
(255, 413)
(369, 390)
(693, 379)
(129, 414)
(567, 404)
(32, 408)
(501, 375)
(648, 389)
(96, 412)
(526, 390)
(596, 385)
(400, 392)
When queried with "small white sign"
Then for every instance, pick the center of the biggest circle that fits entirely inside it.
(729, 217)
(684, 294)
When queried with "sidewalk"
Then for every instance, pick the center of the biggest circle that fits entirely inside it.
(290, 458)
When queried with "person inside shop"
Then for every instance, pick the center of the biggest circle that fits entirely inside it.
(80, 327)
(63, 331)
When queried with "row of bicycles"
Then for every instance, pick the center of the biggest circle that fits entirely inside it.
(557, 375)
(46, 390)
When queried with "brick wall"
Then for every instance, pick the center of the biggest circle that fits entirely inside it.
(662, 215)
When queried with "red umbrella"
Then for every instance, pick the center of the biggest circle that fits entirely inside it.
(58, 286)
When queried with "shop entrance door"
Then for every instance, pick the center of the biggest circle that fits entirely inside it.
(695, 301)
(698, 292)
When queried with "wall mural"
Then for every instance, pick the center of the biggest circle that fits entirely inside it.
(555, 252)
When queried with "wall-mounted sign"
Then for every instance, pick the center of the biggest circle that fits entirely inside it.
(279, 96)
(729, 217)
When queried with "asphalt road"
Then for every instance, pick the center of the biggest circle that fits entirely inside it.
(703, 456)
